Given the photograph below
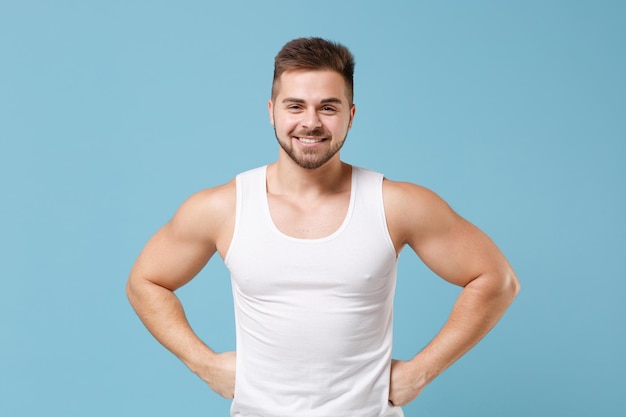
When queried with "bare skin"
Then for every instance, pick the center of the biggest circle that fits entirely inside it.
(312, 115)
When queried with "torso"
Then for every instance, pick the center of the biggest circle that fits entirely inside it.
(313, 283)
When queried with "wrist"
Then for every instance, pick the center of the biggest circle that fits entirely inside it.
(424, 371)
(200, 359)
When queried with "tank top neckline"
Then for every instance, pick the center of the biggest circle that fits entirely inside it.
(333, 235)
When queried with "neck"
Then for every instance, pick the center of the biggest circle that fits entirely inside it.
(286, 177)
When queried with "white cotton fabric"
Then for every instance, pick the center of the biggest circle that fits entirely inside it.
(313, 316)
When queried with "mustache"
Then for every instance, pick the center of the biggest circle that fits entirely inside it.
(317, 132)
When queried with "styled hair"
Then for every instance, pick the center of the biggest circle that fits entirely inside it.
(315, 54)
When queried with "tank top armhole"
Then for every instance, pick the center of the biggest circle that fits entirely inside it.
(381, 202)
(238, 208)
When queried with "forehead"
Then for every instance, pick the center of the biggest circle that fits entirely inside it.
(311, 85)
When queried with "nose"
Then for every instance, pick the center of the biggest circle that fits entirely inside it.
(311, 119)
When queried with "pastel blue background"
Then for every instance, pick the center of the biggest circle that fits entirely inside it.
(112, 113)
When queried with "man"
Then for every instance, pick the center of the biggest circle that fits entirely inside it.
(312, 246)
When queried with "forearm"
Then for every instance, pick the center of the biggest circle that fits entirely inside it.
(163, 315)
(478, 308)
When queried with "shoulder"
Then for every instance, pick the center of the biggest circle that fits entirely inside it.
(401, 196)
(205, 213)
(217, 201)
(413, 210)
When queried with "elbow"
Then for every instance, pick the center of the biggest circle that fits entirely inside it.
(131, 290)
(511, 285)
(500, 286)
(128, 290)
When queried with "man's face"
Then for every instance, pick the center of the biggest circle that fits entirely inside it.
(311, 115)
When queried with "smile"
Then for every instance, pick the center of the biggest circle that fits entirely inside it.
(310, 140)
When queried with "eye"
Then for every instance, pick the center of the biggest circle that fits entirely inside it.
(328, 109)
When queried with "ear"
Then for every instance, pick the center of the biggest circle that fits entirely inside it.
(352, 113)
(270, 109)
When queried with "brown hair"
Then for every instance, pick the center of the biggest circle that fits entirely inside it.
(315, 54)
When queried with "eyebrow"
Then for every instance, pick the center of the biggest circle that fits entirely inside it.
(301, 101)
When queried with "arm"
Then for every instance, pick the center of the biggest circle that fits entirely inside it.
(461, 254)
(170, 259)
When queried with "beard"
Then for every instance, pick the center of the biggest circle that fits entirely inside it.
(310, 158)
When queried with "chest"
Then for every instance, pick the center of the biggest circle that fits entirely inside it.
(313, 219)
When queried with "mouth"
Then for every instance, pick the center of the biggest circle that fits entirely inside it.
(309, 140)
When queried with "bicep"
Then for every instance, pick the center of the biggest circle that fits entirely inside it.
(171, 258)
(458, 251)
(449, 245)
(181, 248)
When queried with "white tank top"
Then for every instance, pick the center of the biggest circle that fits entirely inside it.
(313, 316)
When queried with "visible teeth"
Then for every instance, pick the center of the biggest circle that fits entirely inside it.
(305, 140)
